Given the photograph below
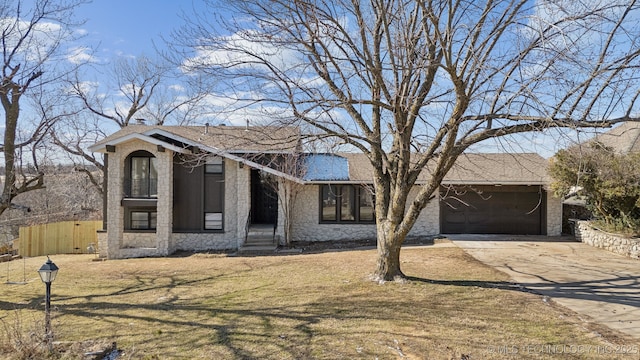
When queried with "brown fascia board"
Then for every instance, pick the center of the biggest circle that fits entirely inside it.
(101, 147)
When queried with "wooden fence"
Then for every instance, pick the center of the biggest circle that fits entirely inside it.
(67, 237)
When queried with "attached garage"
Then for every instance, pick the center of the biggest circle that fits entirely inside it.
(516, 210)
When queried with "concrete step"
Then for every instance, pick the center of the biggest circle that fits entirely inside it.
(260, 237)
(259, 241)
(257, 249)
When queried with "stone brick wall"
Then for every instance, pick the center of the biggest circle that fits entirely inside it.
(237, 200)
(554, 215)
(102, 243)
(139, 240)
(118, 244)
(307, 227)
(306, 218)
(203, 242)
(616, 244)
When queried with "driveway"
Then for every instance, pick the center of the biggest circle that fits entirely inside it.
(589, 281)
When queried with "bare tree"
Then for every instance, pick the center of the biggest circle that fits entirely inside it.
(34, 59)
(285, 188)
(141, 91)
(413, 84)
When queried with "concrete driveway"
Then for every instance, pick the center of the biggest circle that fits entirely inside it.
(589, 281)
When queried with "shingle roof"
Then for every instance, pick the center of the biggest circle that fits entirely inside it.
(495, 168)
(488, 168)
(228, 138)
(624, 138)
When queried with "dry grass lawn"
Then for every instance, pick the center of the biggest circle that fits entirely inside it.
(307, 306)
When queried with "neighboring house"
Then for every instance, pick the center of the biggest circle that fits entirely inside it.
(624, 138)
(195, 188)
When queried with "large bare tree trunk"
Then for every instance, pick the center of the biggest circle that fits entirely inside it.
(389, 245)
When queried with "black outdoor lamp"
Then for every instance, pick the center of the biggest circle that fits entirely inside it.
(48, 273)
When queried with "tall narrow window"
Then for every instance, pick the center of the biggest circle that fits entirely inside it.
(329, 201)
(347, 203)
(366, 205)
(144, 177)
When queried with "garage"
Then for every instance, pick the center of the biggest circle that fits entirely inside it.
(515, 210)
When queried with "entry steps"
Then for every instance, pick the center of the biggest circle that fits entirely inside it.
(260, 238)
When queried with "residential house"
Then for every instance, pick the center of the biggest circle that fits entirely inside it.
(624, 138)
(196, 188)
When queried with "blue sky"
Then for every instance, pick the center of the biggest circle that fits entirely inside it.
(130, 27)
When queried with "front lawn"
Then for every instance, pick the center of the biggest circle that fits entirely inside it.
(307, 306)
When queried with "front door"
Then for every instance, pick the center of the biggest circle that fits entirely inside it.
(264, 198)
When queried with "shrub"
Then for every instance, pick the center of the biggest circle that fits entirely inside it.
(609, 182)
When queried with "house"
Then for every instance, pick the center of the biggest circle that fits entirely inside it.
(171, 188)
(623, 139)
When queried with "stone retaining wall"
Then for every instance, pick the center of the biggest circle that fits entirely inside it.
(203, 242)
(585, 233)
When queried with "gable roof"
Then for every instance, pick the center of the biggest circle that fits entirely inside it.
(233, 142)
(624, 138)
(472, 168)
(235, 139)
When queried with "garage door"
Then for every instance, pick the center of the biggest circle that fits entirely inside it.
(516, 210)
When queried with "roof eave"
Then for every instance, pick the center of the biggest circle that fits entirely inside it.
(102, 147)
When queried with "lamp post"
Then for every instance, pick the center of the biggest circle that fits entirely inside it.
(48, 273)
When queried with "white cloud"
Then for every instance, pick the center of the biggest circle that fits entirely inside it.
(177, 88)
(79, 55)
(236, 50)
(88, 87)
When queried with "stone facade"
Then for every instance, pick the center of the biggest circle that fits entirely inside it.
(614, 243)
(204, 242)
(139, 240)
(554, 215)
(307, 226)
(117, 243)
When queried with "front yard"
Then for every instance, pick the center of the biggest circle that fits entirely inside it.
(308, 306)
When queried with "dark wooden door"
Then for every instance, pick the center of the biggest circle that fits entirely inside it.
(264, 198)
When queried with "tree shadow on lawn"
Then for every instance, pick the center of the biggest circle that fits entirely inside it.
(623, 290)
(246, 333)
(246, 330)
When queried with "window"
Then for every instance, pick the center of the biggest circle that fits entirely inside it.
(213, 221)
(143, 220)
(214, 165)
(198, 195)
(329, 201)
(366, 210)
(346, 204)
(143, 176)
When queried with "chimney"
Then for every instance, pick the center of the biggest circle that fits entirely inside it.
(141, 121)
(206, 128)
(247, 128)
